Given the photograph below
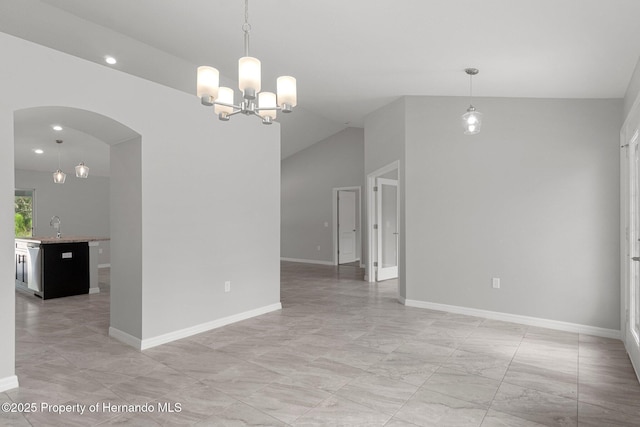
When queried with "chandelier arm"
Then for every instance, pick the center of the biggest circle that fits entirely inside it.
(224, 104)
(269, 109)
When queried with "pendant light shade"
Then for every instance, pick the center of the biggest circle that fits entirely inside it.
(82, 171)
(59, 177)
(472, 119)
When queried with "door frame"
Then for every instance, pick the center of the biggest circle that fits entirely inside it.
(629, 135)
(335, 238)
(372, 238)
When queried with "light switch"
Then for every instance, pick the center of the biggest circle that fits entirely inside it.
(495, 282)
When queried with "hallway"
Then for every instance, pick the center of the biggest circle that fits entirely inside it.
(341, 352)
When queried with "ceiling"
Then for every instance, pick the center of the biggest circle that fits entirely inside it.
(85, 137)
(352, 57)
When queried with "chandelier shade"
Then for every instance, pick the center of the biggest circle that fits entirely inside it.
(253, 103)
(208, 82)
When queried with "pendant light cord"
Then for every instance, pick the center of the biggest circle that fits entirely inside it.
(471, 89)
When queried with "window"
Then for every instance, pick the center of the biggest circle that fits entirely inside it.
(24, 205)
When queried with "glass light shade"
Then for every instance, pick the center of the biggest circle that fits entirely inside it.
(59, 177)
(249, 74)
(471, 121)
(287, 92)
(267, 100)
(82, 171)
(208, 82)
(225, 95)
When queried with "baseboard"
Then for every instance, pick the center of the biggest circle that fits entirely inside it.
(307, 261)
(516, 318)
(125, 338)
(107, 265)
(402, 300)
(95, 290)
(193, 330)
(8, 383)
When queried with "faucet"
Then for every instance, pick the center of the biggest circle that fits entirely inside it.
(55, 223)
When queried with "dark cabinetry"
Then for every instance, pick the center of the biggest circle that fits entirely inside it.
(65, 267)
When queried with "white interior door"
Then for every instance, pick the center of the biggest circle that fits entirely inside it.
(387, 215)
(632, 276)
(347, 227)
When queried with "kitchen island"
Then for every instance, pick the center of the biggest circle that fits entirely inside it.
(52, 267)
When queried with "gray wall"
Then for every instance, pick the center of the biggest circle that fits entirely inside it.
(126, 234)
(632, 90)
(307, 179)
(81, 204)
(532, 199)
(384, 136)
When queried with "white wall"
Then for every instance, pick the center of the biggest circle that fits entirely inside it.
(226, 174)
(532, 199)
(308, 178)
(81, 204)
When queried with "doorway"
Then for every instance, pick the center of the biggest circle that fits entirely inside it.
(347, 239)
(630, 292)
(383, 229)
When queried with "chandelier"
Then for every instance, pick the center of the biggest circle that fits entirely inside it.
(472, 119)
(249, 82)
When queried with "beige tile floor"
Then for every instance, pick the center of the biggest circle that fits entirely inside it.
(341, 352)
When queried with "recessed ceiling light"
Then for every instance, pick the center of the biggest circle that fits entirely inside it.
(56, 127)
(38, 150)
(110, 60)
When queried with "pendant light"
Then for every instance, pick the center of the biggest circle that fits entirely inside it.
(256, 103)
(58, 175)
(82, 171)
(472, 119)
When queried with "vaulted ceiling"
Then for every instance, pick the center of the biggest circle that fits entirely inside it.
(351, 57)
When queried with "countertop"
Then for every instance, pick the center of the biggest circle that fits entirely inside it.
(50, 240)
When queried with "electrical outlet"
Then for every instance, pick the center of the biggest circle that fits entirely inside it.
(100, 251)
(318, 247)
(495, 282)
(227, 286)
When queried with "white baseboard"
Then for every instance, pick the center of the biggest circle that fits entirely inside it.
(8, 383)
(95, 290)
(203, 327)
(125, 338)
(107, 265)
(307, 261)
(402, 300)
(516, 318)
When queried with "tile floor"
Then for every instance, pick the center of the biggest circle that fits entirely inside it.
(341, 352)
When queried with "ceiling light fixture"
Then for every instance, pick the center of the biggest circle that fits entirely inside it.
(58, 175)
(82, 171)
(57, 128)
(472, 119)
(249, 82)
(38, 150)
(110, 60)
